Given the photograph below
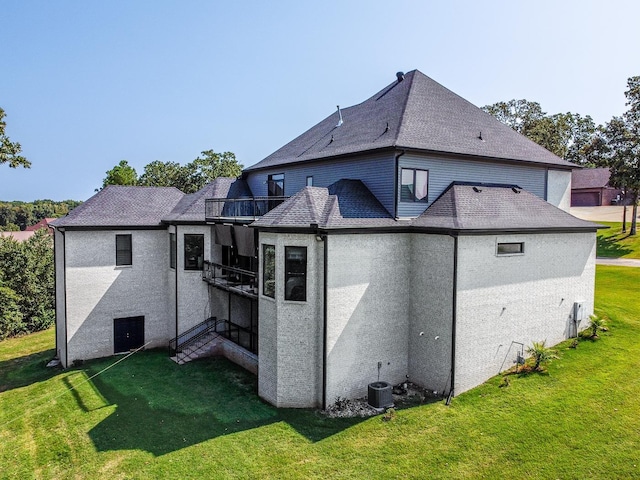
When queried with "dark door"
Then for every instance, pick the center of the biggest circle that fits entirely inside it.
(128, 333)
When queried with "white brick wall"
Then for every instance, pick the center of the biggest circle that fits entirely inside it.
(559, 188)
(431, 311)
(290, 333)
(98, 291)
(368, 311)
(520, 298)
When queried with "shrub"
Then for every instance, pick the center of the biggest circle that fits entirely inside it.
(541, 354)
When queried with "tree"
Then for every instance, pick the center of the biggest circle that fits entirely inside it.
(10, 151)
(618, 145)
(210, 166)
(163, 174)
(121, 174)
(27, 281)
(568, 135)
(193, 176)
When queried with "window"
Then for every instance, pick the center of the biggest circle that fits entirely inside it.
(310, 181)
(275, 184)
(172, 250)
(414, 185)
(295, 273)
(123, 249)
(269, 270)
(513, 248)
(193, 252)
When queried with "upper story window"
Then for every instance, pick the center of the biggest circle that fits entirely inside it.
(275, 184)
(414, 186)
(269, 270)
(310, 181)
(172, 250)
(295, 273)
(123, 250)
(510, 248)
(193, 252)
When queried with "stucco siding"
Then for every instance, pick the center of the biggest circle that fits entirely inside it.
(430, 317)
(193, 297)
(61, 337)
(559, 188)
(290, 332)
(98, 291)
(368, 307)
(520, 298)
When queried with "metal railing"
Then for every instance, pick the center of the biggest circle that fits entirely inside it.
(240, 208)
(192, 335)
(233, 279)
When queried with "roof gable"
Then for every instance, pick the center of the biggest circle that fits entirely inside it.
(415, 113)
(346, 203)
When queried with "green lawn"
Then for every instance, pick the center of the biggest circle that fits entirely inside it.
(149, 418)
(615, 244)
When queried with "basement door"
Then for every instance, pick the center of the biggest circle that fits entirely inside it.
(128, 334)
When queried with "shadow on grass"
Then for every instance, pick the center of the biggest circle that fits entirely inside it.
(610, 248)
(23, 371)
(162, 407)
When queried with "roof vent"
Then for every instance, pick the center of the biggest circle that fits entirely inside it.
(477, 190)
(340, 122)
(400, 76)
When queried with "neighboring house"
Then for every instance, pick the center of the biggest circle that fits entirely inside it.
(590, 188)
(30, 231)
(44, 223)
(19, 236)
(411, 235)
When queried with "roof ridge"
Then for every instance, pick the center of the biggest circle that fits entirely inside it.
(404, 107)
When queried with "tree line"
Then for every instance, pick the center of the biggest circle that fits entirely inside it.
(18, 215)
(577, 139)
(188, 178)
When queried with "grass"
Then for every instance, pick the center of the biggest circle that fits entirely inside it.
(149, 418)
(613, 243)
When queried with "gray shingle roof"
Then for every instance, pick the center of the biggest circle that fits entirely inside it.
(590, 178)
(346, 203)
(123, 206)
(495, 207)
(191, 208)
(416, 113)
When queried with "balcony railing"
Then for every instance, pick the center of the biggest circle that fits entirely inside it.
(233, 279)
(240, 208)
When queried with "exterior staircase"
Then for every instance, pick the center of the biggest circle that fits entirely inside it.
(197, 342)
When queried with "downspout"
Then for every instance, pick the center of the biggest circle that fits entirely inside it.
(453, 318)
(55, 289)
(176, 272)
(395, 184)
(324, 323)
(66, 322)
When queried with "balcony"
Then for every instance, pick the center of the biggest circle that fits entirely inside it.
(232, 279)
(239, 209)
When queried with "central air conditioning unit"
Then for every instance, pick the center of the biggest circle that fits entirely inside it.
(380, 395)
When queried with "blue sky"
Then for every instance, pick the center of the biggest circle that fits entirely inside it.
(87, 84)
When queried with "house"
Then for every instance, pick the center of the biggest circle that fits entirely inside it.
(44, 223)
(411, 235)
(19, 236)
(590, 188)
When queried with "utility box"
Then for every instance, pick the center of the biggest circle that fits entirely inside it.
(578, 312)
